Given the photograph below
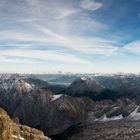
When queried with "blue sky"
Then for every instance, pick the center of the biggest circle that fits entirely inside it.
(87, 36)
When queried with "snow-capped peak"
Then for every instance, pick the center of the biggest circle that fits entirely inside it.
(28, 86)
(7, 81)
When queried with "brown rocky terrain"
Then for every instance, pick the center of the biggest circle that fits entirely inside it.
(12, 131)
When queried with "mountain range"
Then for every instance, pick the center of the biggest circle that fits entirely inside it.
(106, 87)
(75, 111)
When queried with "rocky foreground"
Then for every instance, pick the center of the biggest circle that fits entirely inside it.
(12, 131)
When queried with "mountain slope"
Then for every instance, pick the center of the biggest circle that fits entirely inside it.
(39, 108)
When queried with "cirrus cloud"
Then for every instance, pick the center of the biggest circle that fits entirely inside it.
(91, 5)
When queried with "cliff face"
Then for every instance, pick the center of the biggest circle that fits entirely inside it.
(12, 131)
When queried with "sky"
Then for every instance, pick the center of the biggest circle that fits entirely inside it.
(78, 36)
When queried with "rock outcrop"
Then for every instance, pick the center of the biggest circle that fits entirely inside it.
(12, 131)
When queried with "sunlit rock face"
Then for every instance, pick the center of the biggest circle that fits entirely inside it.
(12, 131)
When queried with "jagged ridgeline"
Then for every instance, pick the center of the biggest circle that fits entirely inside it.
(100, 87)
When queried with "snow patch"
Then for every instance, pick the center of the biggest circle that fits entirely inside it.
(28, 86)
(115, 108)
(7, 81)
(135, 115)
(83, 78)
(105, 119)
(56, 97)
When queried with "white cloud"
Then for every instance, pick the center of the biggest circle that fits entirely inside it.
(44, 55)
(64, 13)
(56, 9)
(85, 45)
(52, 34)
(91, 5)
(133, 47)
(57, 24)
(93, 45)
(59, 15)
(43, 35)
(4, 59)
